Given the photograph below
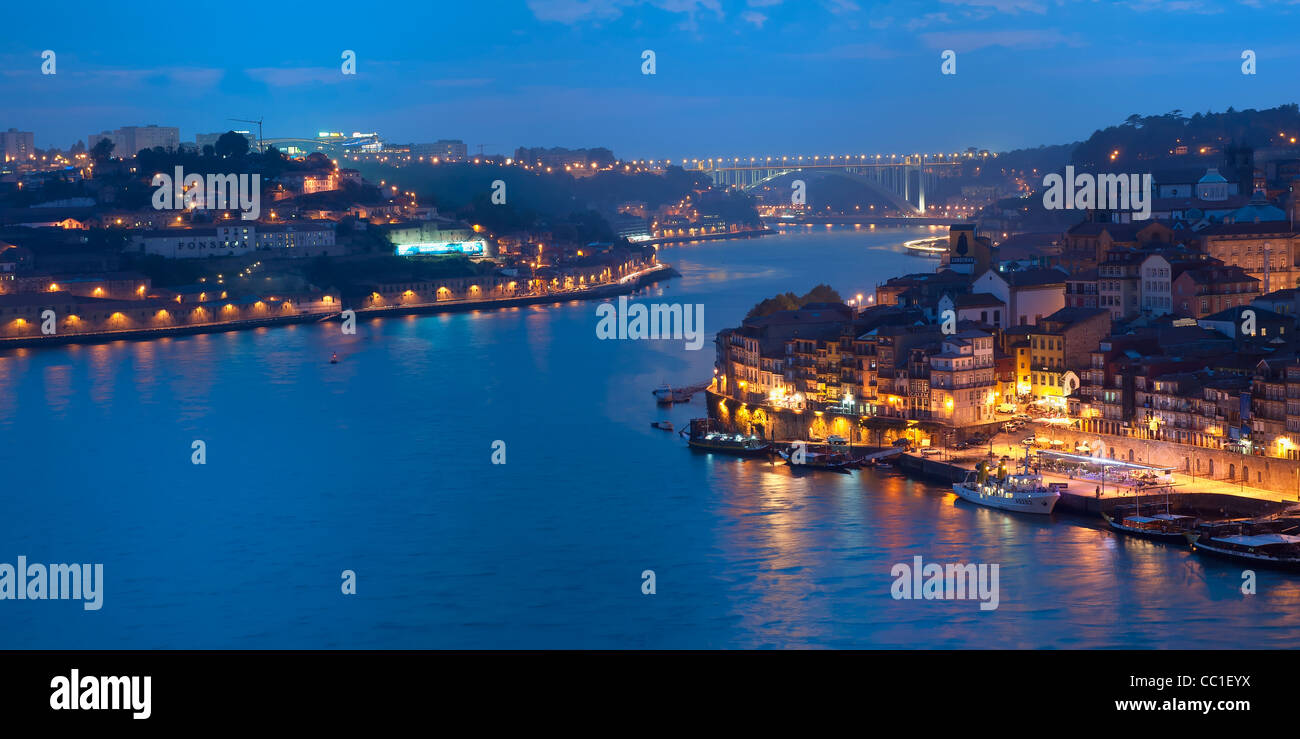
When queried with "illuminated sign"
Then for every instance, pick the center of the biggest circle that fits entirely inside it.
(441, 247)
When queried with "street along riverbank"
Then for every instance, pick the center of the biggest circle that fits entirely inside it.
(625, 286)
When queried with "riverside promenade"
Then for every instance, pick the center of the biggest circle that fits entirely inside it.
(1088, 495)
(623, 286)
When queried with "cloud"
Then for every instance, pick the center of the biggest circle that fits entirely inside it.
(571, 12)
(294, 76)
(853, 51)
(926, 20)
(972, 40)
(1004, 6)
(755, 17)
(1177, 6)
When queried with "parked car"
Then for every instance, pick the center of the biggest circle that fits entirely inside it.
(902, 443)
(961, 445)
(929, 451)
(1029, 440)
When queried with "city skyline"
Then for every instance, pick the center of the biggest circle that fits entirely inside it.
(829, 77)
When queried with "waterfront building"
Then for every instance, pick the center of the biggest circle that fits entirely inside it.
(440, 236)
(239, 238)
(962, 383)
(1060, 347)
(297, 239)
(744, 375)
(114, 285)
(968, 253)
(20, 313)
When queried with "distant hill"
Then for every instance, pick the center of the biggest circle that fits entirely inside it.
(1153, 138)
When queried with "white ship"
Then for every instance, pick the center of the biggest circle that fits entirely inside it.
(1023, 492)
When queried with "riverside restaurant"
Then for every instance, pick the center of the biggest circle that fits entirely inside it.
(1101, 469)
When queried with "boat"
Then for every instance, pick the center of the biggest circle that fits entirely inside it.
(817, 461)
(705, 439)
(1168, 527)
(664, 425)
(933, 246)
(1281, 551)
(666, 395)
(1023, 492)
(334, 358)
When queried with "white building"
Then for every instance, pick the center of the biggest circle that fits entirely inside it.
(1155, 289)
(289, 240)
(195, 243)
(130, 140)
(17, 146)
(1028, 294)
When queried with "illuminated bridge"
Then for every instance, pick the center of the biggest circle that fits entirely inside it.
(329, 143)
(900, 181)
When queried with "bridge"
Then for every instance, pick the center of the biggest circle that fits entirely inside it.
(902, 181)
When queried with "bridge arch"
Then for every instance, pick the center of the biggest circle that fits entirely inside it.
(886, 194)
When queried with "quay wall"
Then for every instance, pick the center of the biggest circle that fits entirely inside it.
(1216, 505)
(788, 425)
(1268, 473)
(257, 318)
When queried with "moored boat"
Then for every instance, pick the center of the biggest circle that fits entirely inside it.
(817, 461)
(1022, 492)
(1167, 527)
(666, 395)
(703, 438)
(1275, 550)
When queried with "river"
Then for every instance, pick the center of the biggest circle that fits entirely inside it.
(382, 465)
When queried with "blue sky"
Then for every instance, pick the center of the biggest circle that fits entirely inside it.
(734, 77)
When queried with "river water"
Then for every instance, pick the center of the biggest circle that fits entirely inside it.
(382, 465)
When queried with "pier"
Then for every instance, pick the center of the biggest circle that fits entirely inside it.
(1080, 495)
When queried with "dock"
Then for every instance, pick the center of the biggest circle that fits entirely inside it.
(1080, 496)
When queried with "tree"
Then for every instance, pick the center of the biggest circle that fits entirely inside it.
(231, 144)
(101, 151)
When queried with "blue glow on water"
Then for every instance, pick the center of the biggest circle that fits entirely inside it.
(381, 464)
